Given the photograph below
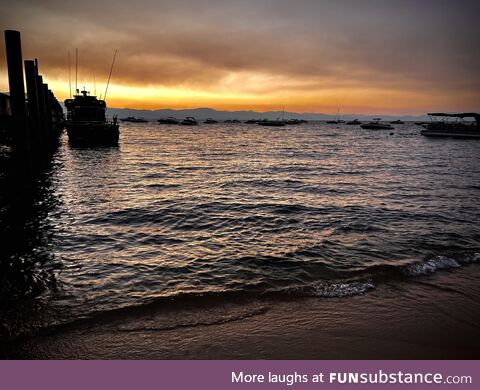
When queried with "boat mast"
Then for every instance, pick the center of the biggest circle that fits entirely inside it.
(69, 75)
(110, 75)
(76, 69)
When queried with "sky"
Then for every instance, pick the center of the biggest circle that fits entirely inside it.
(393, 57)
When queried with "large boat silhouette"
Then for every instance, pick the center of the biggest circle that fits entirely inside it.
(87, 124)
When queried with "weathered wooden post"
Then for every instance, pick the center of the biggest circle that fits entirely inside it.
(42, 111)
(48, 110)
(32, 103)
(17, 89)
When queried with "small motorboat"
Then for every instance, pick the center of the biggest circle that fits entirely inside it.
(292, 121)
(133, 119)
(275, 123)
(189, 121)
(397, 122)
(377, 125)
(354, 122)
(210, 121)
(168, 121)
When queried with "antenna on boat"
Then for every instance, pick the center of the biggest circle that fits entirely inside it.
(69, 75)
(76, 69)
(110, 75)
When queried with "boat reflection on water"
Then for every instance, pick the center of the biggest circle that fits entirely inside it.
(27, 263)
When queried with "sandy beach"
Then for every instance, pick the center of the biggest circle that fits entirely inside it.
(428, 317)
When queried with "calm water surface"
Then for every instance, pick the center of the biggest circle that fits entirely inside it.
(225, 210)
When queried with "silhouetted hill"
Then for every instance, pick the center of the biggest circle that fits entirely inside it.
(203, 113)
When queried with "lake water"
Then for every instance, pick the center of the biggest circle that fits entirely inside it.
(186, 214)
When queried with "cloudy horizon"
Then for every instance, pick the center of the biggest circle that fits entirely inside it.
(391, 57)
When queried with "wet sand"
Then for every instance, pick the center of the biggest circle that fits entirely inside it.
(430, 317)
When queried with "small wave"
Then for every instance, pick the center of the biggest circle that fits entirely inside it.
(333, 289)
(471, 258)
(356, 227)
(340, 290)
(430, 266)
(162, 186)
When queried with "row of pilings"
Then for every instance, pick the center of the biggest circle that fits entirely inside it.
(36, 117)
(31, 121)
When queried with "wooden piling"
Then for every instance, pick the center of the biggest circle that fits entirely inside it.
(32, 103)
(17, 89)
(48, 110)
(42, 111)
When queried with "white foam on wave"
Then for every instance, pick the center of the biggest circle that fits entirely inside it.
(430, 266)
(339, 290)
(473, 258)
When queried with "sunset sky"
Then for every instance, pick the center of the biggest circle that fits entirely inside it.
(364, 56)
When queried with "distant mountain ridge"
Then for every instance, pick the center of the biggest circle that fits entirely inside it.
(204, 113)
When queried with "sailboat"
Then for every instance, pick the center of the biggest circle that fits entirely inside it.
(338, 120)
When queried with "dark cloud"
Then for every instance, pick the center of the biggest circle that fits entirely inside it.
(430, 45)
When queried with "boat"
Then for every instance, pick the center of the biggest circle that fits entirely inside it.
(210, 121)
(253, 121)
(275, 123)
(421, 123)
(87, 124)
(134, 119)
(354, 122)
(168, 121)
(397, 122)
(456, 129)
(377, 125)
(232, 121)
(292, 121)
(189, 121)
(337, 120)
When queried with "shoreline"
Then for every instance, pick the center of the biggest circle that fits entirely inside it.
(428, 317)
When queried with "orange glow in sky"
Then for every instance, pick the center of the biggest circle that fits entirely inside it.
(308, 56)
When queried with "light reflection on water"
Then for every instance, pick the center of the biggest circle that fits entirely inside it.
(224, 208)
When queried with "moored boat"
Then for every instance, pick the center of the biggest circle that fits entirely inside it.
(275, 123)
(134, 119)
(168, 121)
(292, 121)
(376, 125)
(337, 120)
(210, 121)
(354, 122)
(457, 129)
(87, 124)
(189, 121)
